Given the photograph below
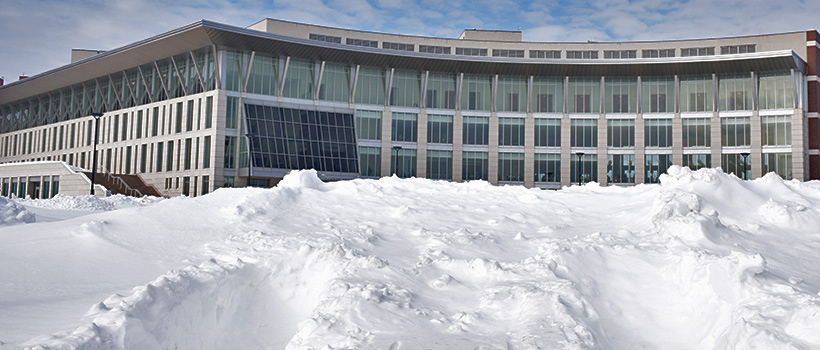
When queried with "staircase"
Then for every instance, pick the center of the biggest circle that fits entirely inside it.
(128, 185)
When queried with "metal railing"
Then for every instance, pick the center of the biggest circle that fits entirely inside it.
(133, 192)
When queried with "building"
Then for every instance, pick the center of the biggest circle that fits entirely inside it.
(184, 109)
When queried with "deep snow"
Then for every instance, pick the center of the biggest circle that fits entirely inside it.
(702, 261)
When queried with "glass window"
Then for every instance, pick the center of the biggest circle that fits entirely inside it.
(733, 163)
(335, 83)
(511, 131)
(474, 166)
(439, 165)
(233, 71)
(547, 132)
(658, 95)
(584, 133)
(657, 164)
(231, 112)
(735, 131)
(264, 73)
(404, 127)
(587, 168)
(370, 86)
(476, 94)
(776, 91)
(697, 161)
(697, 132)
(780, 163)
(370, 161)
(441, 91)
(584, 95)
(439, 128)
(620, 133)
(511, 167)
(548, 95)
(547, 167)
(403, 162)
(476, 130)
(657, 133)
(735, 93)
(620, 168)
(368, 125)
(406, 89)
(512, 94)
(621, 95)
(696, 94)
(777, 130)
(299, 80)
(206, 152)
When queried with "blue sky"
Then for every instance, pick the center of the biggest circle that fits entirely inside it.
(38, 35)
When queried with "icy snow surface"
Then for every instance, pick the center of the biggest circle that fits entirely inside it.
(702, 261)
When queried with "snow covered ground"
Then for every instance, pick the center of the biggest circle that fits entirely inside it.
(703, 261)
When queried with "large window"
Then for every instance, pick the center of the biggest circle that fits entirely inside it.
(776, 91)
(547, 132)
(584, 133)
(620, 168)
(697, 132)
(439, 165)
(548, 95)
(264, 73)
(512, 94)
(697, 161)
(657, 133)
(404, 127)
(474, 166)
(233, 71)
(299, 80)
(476, 94)
(439, 128)
(586, 170)
(403, 162)
(735, 93)
(733, 163)
(696, 94)
(657, 164)
(658, 95)
(406, 89)
(584, 95)
(621, 95)
(777, 130)
(620, 133)
(780, 163)
(735, 131)
(441, 91)
(370, 86)
(511, 167)
(511, 131)
(335, 83)
(370, 161)
(368, 125)
(547, 167)
(476, 130)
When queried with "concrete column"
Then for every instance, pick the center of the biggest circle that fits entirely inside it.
(602, 150)
(716, 146)
(458, 139)
(492, 156)
(677, 140)
(566, 149)
(756, 149)
(799, 148)
(421, 145)
(387, 144)
(640, 150)
(529, 151)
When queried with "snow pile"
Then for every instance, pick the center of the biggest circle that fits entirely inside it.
(12, 213)
(702, 261)
(89, 202)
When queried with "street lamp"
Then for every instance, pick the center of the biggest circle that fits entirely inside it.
(396, 163)
(745, 156)
(578, 167)
(97, 117)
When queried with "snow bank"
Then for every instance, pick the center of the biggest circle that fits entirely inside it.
(702, 261)
(12, 213)
(89, 202)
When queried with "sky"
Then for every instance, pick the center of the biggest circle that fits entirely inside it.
(38, 35)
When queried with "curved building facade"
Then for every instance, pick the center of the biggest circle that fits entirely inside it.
(210, 105)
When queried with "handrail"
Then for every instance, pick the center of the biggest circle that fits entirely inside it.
(120, 182)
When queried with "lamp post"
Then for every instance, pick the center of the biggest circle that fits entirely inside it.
(97, 117)
(250, 155)
(745, 156)
(396, 163)
(578, 167)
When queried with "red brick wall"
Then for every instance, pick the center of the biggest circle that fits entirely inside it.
(814, 167)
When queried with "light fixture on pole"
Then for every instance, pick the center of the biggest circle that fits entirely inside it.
(97, 117)
(578, 167)
(745, 156)
(396, 163)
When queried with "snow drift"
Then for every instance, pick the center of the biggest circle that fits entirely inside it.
(702, 261)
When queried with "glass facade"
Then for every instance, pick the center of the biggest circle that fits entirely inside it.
(474, 166)
(439, 128)
(697, 161)
(696, 94)
(547, 132)
(404, 127)
(511, 131)
(406, 89)
(584, 132)
(657, 133)
(441, 91)
(368, 125)
(775, 90)
(620, 168)
(735, 131)
(476, 130)
(511, 167)
(477, 93)
(658, 95)
(734, 163)
(548, 95)
(585, 170)
(735, 93)
(512, 94)
(584, 95)
(370, 161)
(620, 133)
(547, 167)
(621, 95)
(777, 130)
(779, 163)
(403, 162)
(439, 165)
(697, 132)
(656, 164)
